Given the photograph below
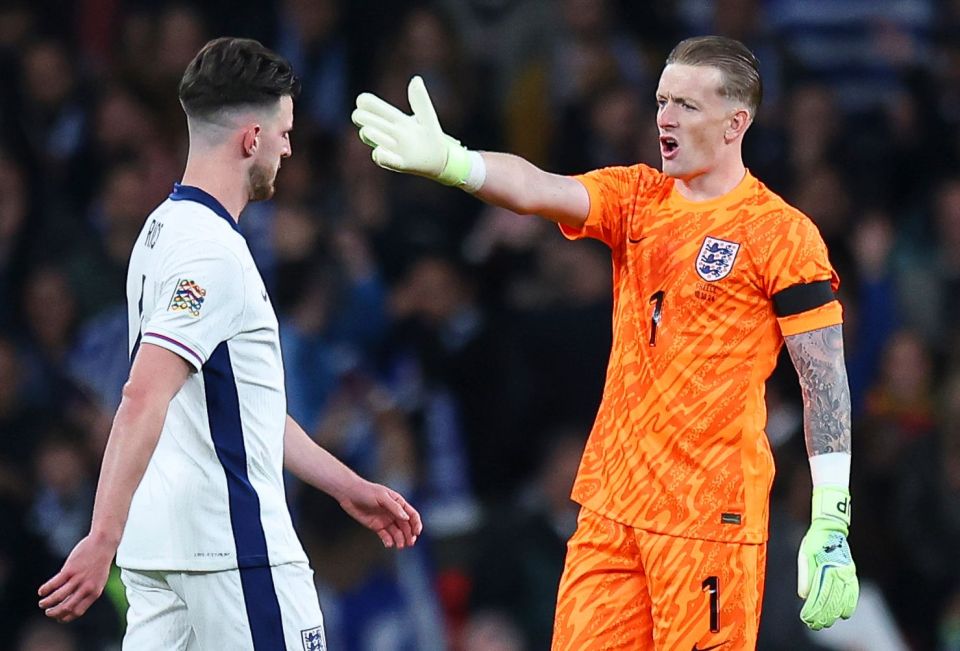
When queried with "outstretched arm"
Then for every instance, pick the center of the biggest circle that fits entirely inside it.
(415, 144)
(376, 507)
(156, 376)
(826, 577)
(516, 184)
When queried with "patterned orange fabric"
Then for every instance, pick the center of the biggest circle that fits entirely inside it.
(625, 589)
(678, 446)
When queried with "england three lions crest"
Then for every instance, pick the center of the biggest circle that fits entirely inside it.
(313, 639)
(716, 258)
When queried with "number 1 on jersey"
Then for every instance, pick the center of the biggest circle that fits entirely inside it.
(657, 300)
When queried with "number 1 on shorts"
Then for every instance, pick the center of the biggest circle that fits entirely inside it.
(711, 584)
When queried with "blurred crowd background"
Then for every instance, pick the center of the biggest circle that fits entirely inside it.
(457, 352)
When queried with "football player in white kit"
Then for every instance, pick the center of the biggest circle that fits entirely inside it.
(191, 497)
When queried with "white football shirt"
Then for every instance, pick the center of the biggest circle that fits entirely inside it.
(212, 497)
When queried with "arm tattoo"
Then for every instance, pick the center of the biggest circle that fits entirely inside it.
(818, 357)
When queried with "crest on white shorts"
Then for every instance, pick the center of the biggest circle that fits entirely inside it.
(313, 639)
(716, 258)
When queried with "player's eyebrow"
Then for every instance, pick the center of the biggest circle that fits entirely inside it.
(679, 99)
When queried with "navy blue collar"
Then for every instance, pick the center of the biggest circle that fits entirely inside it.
(192, 193)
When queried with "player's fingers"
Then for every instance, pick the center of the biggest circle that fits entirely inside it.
(416, 524)
(373, 104)
(844, 597)
(385, 538)
(357, 117)
(830, 600)
(394, 503)
(364, 118)
(421, 104)
(806, 614)
(851, 603)
(396, 535)
(406, 532)
(388, 159)
(375, 137)
(86, 591)
(57, 596)
(814, 602)
(65, 611)
(53, 583)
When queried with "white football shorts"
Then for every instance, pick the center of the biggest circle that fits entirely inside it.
(250, 609)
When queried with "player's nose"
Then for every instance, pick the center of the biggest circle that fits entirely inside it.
(667, 116)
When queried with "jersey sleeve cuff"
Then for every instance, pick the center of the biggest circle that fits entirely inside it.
(827, 315)
(175, 344)
(596, 206)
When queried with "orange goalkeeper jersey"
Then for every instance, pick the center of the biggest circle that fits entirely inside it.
(704, 293)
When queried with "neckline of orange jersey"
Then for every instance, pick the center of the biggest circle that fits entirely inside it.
(742, 189)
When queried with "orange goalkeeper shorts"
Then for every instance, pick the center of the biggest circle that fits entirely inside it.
(632, 590)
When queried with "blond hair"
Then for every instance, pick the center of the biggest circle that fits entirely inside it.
(737, 64)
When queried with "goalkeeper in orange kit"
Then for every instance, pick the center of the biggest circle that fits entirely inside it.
(712, 274)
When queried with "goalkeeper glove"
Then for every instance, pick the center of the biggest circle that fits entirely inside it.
(827, 576)
(414, 144)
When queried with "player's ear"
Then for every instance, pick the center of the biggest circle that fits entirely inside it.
(737, 124)
(251, 140)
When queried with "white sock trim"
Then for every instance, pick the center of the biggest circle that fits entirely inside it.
(832, 469)
(477, 174)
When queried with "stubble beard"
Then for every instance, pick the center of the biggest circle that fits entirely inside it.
(261, 183)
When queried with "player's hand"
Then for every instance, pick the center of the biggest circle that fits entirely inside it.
(827, 575)
(67, 595)
(385, 512)
(411, 143)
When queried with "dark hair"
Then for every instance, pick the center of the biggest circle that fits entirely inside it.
(229, 72)
(740, 68)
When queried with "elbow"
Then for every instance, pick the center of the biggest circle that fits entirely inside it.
(525, 206)
(137, 398)
(530, 196)
(519, 199)
(133, 392)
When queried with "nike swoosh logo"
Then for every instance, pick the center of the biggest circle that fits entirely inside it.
(707, 648)
(637, 241)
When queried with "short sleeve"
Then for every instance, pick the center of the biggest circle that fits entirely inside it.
(613, 194)
(200, 302)
(799, 278)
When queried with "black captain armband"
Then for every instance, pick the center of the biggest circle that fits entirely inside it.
(800, 298)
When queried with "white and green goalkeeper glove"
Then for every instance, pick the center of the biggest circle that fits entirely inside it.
(414, 144)
(827, 576)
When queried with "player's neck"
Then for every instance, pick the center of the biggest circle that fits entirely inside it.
(712, 184)
(218, 179)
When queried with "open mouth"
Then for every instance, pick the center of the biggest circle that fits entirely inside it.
(669, 147)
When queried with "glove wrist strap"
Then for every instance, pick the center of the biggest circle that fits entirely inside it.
(833, 505)
(457, 168)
